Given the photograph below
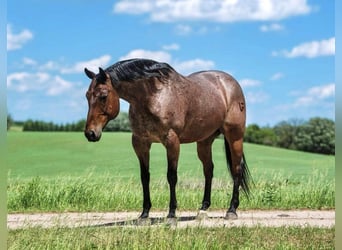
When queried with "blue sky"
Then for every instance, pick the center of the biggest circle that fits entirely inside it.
(281, 51)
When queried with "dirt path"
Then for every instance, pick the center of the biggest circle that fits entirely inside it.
(271, 218)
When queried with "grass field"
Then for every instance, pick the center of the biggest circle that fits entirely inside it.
(166, 238)
(69, 154)
(63, 172)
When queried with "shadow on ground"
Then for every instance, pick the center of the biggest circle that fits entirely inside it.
(154, 221)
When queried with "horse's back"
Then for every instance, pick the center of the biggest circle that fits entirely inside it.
(219, 79)
(208, 74)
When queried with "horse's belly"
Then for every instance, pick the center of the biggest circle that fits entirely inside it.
(204, 121)
(200, 129)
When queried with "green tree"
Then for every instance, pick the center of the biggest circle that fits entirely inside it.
(252, 134)
(317, 135)
(120, 123)
(80, 125)
(9, 121)
(268, 136)
(258, 135)
(286, 132)
(28, 125)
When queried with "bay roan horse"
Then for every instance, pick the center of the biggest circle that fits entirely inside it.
(171, 109)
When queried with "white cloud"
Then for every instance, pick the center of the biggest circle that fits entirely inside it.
(277, 76)
(256, 97)
(214, 10)
(183, 30)
(39, 82)
(58, 86)
(60, 66)
(316, 94)
(271, 27)
(46, 82)
(190, 66)
(17, 41)
(160, 56)
(50, 65)
(93, 65)
(249, 82)
(183, 67)
(310, 49)
(29, 61)
(134, 7)
(24, 81)
(173, 46)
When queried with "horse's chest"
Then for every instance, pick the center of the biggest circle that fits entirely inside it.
(147, 125)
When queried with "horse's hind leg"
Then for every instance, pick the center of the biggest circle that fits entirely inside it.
(234, 153)
(205, 155)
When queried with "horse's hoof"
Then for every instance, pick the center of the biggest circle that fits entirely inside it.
(144, 214)
(171, 214)
(202, 214)
(231, 216)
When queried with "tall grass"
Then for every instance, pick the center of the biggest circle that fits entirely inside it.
(106, 193)
(166, 238)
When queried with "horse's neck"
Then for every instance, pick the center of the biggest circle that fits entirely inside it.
(143, 90)
(135, 92)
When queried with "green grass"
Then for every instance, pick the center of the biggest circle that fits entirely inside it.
(52, 155)
(167, 238)
(62, 171)
(109, 194)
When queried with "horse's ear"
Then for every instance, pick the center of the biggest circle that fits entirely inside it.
(89, 73)
(103, 76)
(102, 73)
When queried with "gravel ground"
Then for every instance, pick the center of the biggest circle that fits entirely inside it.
(269, 218)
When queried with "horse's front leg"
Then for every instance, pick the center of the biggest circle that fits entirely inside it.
(205, 155)
(172, 146)
(142, 150)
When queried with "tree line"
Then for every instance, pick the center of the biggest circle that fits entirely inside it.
(121, 123)
(316, 135)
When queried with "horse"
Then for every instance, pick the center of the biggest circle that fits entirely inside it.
(169, 108)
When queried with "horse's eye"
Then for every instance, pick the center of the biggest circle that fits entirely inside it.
(103, 97)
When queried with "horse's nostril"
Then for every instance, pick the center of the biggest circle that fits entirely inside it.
(90, 134)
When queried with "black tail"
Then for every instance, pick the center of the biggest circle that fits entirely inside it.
(245, 171)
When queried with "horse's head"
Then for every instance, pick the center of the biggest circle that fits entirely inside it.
(103, 103)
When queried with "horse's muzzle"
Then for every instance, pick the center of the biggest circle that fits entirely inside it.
(92, 135)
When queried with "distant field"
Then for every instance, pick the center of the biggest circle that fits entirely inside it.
(44, 154)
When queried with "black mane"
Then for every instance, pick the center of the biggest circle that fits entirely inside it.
(134, 69)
